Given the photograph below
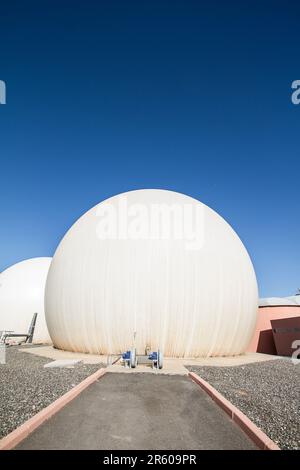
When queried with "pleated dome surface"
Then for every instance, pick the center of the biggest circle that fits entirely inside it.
(152, 268)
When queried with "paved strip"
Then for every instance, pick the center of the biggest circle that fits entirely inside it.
(140, 411)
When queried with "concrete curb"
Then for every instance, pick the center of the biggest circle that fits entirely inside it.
(255, 434)
(15, 437)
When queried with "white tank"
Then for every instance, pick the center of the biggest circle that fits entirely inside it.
(22, 292)
(155, 265)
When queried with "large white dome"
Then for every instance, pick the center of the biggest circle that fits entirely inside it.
(157, 263)
(22, 291)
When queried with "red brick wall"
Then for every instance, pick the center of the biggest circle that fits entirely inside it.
(263, 340)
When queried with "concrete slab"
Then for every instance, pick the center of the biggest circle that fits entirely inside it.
(57, 354)
(140, 411)
(171, 367)
(247, 358)
(69, 363)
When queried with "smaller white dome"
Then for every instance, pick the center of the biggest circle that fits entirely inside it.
(22, 290)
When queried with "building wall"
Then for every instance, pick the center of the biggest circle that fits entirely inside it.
(263, 340)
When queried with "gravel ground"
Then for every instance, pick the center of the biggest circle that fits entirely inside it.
(267, 392)
(26, 387)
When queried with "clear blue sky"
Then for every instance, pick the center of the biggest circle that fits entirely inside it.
(192, 96)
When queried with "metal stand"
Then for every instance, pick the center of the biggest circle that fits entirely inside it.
(131, 359)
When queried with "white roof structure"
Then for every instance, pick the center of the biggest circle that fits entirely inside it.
(295, 299)
(22, 291)
(277, 301)
(151, 268)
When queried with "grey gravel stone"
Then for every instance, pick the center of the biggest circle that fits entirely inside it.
(267, 392)
(26, 387)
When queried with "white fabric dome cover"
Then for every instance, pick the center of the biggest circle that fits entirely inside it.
(22, 292)
(189, 292)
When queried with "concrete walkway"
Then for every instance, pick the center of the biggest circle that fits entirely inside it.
(140, 411)
(171, 365)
